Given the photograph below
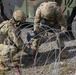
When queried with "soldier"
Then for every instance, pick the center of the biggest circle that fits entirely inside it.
(10, 40)
(51, 13)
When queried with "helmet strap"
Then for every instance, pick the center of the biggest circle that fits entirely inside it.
(16, 22)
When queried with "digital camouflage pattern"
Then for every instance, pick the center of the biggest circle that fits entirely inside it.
(10, 40)
(51, 13)
(19, 16)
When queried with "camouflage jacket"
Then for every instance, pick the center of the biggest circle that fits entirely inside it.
(9, 30)
(52, 14)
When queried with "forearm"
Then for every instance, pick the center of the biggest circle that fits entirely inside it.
(36, 24)
(64, 25)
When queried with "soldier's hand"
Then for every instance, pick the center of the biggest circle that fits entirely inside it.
(64, 29)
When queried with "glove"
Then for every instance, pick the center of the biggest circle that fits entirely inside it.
(64, 29)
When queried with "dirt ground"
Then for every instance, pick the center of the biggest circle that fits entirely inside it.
(48, 62)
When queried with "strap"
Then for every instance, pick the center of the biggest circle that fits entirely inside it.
(13, 43)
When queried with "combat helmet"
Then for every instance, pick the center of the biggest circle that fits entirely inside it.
(50, 7)
(18, 15)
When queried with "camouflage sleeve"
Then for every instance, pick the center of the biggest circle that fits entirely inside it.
(14, 35)
(60, 18)
(2, 24)
(37, 19)
(18, 41)
(4, 27)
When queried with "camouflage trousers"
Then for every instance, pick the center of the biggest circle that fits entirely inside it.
(6, 51)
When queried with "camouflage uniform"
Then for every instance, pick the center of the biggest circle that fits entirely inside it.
(10, 40)
(51, 13)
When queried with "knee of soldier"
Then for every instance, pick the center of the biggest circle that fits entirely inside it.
(5, 49)
(12, 49)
